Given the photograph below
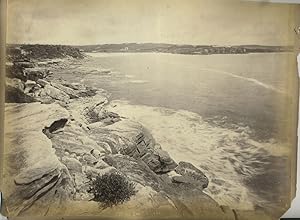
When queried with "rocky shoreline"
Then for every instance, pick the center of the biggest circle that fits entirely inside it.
(60, 136)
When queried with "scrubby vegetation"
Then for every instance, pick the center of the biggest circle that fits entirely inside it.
(37, 51)
(112, 189)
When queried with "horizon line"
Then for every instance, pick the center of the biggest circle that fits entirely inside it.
(215, 45)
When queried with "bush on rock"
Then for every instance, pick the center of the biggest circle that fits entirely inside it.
(111, 189)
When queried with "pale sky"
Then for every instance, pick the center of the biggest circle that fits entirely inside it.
(218, 22)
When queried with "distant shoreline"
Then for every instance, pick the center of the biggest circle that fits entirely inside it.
(173, 48)
(182, 49)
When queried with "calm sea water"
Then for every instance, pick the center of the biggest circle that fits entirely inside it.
(242, 88)
(219, 112)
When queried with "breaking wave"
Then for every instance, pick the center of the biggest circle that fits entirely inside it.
(228, 158)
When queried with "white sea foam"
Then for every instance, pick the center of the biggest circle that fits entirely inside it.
(225, 156)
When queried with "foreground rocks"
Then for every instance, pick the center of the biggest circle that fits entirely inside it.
(32, 170)
(51, 160)
(57, 157)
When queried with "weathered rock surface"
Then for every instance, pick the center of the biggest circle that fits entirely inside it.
(29, 86)
(86, 109)
(42, 82)
(190, 174)
(35, 73)
(16, 83)
(131, 138)
(31, 167)
(135, 170)
(72, 93)
(157, 197)
(75, 141)
(72, 164)
(24, 64)
(54, 93)
(15, 95)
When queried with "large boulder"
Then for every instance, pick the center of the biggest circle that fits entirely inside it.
(131, 138)
(42, 82)
(36, 73)
(15, 95)
(30, 86)
(81, 90)
(72, 93)
(15, 82)
(190, 174)
(101, 117)
(54, 93)
(74, 90)
(15, 71)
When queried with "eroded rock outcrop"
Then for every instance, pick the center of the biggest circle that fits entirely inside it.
(131, 138)
(189, 174)
(31, 167)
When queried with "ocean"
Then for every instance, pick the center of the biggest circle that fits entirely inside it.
(220, 112)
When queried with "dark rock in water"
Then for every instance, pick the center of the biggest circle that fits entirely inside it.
(15, 95)
(190, 174)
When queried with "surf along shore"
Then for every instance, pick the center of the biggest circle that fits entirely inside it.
(60, 136)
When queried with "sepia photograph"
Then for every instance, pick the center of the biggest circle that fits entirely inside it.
(150, 109)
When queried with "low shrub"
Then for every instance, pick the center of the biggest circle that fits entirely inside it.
(112, 189)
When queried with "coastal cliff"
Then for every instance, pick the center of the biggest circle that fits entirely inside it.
(60, 136)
